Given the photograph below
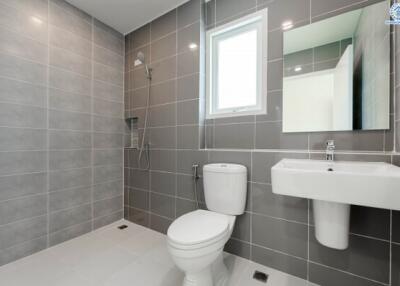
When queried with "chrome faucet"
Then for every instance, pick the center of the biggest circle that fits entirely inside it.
(330, 150)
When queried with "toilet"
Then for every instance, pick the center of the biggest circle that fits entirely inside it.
(196, 240)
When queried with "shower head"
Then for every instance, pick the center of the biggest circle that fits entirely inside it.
(140, 60)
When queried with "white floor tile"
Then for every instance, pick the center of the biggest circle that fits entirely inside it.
(135, 256)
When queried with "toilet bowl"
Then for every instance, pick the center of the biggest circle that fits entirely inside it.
(196, 240)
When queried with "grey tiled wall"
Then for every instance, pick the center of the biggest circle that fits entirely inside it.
(61, 127)
(276, 231)
(315, 59)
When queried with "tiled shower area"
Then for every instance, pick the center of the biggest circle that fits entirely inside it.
(70, 99)
(61, 118)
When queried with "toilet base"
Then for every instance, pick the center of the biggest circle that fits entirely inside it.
(201, 278)
(214, 275)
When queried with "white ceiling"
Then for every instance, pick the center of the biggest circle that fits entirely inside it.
(322, 32)
(126, 15)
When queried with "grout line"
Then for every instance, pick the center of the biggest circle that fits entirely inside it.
(92, 128)
(47, 131)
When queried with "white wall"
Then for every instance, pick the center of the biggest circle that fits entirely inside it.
(343, 92)
(307, 102)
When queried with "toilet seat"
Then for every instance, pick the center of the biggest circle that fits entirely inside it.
(198, 229)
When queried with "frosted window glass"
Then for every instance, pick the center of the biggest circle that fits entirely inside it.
(237, 70)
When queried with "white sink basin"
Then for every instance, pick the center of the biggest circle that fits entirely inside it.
(359, 183)
(333, 187)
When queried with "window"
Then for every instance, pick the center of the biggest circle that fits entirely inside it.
(236, 53)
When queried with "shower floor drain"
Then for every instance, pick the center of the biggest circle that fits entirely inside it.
(260, 276)
(123, 226)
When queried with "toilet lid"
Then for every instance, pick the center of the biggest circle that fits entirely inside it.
(197, 227)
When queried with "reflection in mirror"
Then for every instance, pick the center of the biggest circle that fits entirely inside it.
(337, 73)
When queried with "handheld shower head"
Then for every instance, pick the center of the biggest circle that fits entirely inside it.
(140, 60)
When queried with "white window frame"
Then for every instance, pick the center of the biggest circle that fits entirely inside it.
(258, 20)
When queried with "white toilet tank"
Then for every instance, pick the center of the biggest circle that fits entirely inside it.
(225, 188)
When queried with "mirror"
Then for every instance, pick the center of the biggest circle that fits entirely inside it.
(337, 73)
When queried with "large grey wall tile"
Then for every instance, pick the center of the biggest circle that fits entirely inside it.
(69, 22)
(107, 37)
(108, 57)
(107, 206)
(107, 219)
(226, 9)
(189, 13)
(188, 137)
(159, 223)
(269, 136)
(188, 112)
(70, 61)
(184, 207)
(186, 187)
(69, 139)
(22, 162)
(188, 36)
(17, 68)
(289, 237)
(163, 137)
(162, 205)
(68, 101)
(234, 136)
(163, 183)
(22, 93)
(16, 20)
(107, 173)
(289, 264)
(70, 178)
(70, 41)
(22, 208)
(188, 87)
(322, 275)
(139, 199)
(163, 25)
(395, 264)
(139, 179)
(164, 47)
(107, 190)
(370, 222)
(186, 159)
(69, 233)
(22, 231)
(22, 185)
(13, 139)
(13, 115)
(163, 160)
(15, 44)
(21, 250)
(67, 218)
(267, 203)
(365, 257)
(107, 157)
(69, 159)
(69, 81)
(238, 247)
(69, 120)
(70, 198)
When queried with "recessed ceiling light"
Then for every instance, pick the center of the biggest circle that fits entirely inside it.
(193, 46)
(298, 68)
(36, 20)
(287, 25)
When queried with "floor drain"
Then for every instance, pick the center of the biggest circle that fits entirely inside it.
(260, 276)
(123, 226)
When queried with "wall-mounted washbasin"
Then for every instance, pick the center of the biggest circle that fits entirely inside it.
(333, 187)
